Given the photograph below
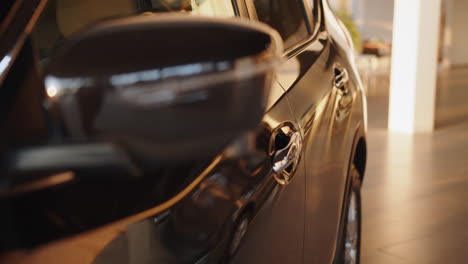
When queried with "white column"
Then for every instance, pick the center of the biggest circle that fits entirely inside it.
(414, 65)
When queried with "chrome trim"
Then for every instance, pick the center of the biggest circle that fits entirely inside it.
(13, 50)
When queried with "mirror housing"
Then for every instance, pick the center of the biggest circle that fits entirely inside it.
(165, 88)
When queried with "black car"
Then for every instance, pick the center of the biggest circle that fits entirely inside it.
(179, 131)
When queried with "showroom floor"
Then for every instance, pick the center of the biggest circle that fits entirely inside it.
(416, 188)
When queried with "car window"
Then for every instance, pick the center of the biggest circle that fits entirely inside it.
(63, 18)
(288, 17)
(5, 6)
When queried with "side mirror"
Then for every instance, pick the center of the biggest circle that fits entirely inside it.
(164, 88)
(128, 96)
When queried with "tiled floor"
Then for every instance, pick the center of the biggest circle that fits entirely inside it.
(416, 188)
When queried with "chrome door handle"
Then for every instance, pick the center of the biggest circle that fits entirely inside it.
(341, 78)
(288, 155)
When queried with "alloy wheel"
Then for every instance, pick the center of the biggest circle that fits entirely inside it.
(352, 235)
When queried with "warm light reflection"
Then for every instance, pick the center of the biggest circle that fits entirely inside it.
(400, 159)
(94, 242)
(60, 86)
(398, 180)
(51, 91)
(289, 72)
(218, 8)
(53, 180)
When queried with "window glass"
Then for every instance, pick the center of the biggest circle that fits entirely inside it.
(62, 18)
(5, 6)
(286, 16)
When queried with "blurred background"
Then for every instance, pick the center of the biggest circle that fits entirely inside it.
(417, 179)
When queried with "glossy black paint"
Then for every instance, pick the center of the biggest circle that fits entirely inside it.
(188, 213)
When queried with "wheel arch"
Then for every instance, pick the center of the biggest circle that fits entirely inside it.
(360, 156)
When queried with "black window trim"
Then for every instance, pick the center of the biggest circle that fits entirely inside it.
(313, 32)
(240, 12)
(317, 9)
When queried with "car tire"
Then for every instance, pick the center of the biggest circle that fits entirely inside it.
(351, 236)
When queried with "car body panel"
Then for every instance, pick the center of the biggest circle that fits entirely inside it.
(190, 225)
(296, 223)
(329, 126)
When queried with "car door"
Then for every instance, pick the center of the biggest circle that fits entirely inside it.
(198, 229)
(237, 185)
(314, 78)
(276, 233)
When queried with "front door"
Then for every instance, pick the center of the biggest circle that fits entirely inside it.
(321, 106)
(276, 233)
